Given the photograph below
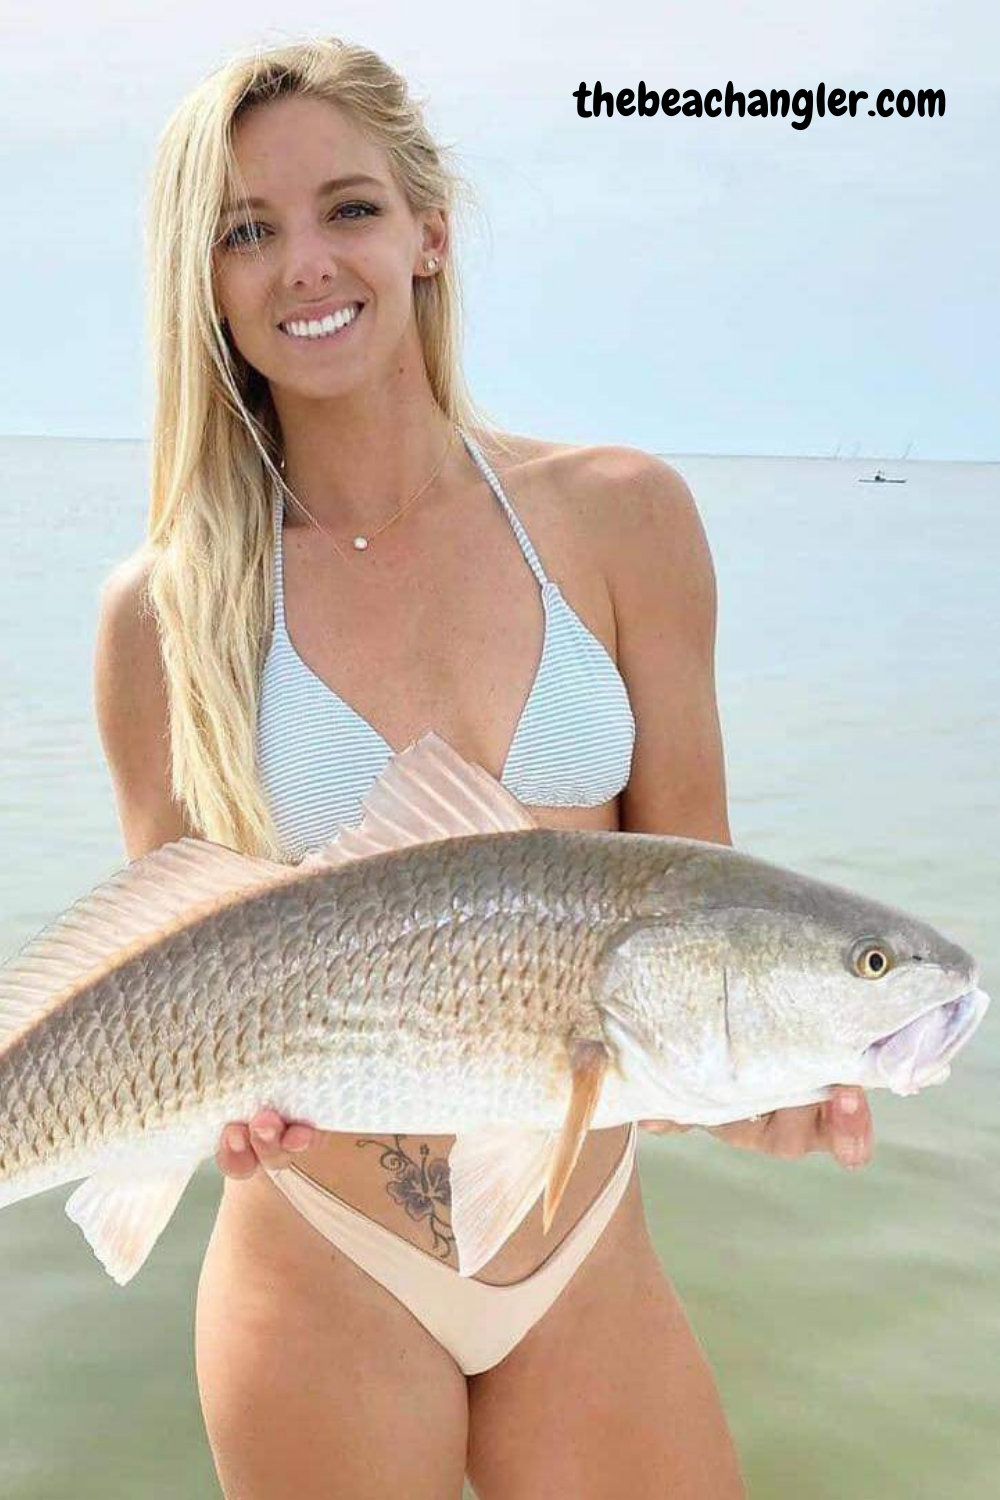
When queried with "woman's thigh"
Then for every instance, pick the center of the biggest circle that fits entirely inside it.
(314, 1381)
(609, 1395)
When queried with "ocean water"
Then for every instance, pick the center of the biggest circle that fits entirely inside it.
(852, 1319)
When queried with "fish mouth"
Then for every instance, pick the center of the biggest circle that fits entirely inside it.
(919, 1053)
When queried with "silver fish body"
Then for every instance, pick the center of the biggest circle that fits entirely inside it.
(480, 982)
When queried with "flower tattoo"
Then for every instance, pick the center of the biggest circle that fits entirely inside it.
(422, 1188)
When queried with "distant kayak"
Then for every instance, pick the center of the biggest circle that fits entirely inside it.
(880, 477)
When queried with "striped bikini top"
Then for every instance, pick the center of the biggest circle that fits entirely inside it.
(318, 757)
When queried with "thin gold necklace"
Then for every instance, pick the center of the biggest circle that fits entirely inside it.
(361, 543)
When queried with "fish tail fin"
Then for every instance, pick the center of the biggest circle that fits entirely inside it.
(123, 1215)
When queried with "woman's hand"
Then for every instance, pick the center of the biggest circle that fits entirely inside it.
(841, 1125)
(266, 1141)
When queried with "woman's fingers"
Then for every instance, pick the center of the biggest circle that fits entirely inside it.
(298, 1136)
(751, 1134)
(841, 1125)
(266, 1141)
(234, 1156)
(846, 1126)
(275, 1142)
(792, 1132)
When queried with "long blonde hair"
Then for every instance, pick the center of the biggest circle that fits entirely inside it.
(216, 440)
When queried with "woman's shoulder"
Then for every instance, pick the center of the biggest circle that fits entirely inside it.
(124, 594)
(131, 707)
(604, 486)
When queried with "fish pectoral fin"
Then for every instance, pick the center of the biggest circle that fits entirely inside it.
(122, 1216)
(588, 1063)
(496, 1175)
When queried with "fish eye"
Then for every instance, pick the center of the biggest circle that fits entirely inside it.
(870, 959)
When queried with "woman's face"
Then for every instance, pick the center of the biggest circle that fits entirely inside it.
(357, 242)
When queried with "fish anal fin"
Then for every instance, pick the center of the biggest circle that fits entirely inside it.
(588, 1060)
(123, 1215)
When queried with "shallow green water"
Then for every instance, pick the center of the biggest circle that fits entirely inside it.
(852, 1319)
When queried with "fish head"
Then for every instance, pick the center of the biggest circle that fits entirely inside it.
(777, 988)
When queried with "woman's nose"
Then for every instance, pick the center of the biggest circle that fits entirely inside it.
(307, 256)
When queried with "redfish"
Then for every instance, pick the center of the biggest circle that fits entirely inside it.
(447, 966)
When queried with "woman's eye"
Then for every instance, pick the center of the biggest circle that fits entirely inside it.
(233, 241)
(369, 207)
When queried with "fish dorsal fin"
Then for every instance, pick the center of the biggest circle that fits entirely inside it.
(157, 893)
(427, 792)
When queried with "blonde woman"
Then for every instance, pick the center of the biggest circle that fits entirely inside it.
(339, 556)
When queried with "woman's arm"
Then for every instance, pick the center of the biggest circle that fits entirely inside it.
(130, 701)
(663, 589)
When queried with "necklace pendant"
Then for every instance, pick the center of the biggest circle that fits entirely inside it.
(361, 542)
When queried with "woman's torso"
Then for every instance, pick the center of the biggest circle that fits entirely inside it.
(440, 624)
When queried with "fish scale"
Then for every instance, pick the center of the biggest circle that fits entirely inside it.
(269, 984)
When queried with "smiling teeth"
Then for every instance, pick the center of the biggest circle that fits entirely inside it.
(325, 326)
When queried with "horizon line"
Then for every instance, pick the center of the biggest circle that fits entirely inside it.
(61, 437)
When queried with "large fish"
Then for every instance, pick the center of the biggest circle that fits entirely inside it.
(448, 967)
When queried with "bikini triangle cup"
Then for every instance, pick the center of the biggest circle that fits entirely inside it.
(550, 667)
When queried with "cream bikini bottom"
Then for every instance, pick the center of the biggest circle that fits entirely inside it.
(477, 1323)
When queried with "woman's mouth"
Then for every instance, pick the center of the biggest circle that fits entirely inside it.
(324, 333)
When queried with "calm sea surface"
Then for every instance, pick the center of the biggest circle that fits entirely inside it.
(852, 1319)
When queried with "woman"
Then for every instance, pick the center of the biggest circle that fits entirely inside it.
(339, 556)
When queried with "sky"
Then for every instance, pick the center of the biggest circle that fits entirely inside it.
(680, 285)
